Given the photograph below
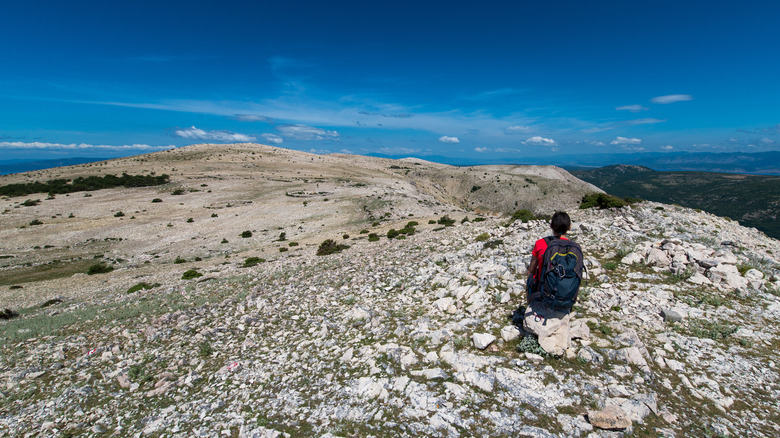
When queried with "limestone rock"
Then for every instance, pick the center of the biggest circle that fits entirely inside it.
(609, 418)
(482, 340)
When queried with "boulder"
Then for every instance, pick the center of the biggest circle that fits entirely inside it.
(658, 258)
(609, 418)
(482, 340)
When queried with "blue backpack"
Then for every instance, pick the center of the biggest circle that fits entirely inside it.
(561, 275)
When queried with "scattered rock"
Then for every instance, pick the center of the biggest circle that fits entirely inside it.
(609, 418)
(482, 340)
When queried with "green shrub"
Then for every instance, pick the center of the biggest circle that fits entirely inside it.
(99, 268)
(411, 224)
(392, 233)
(490, 244)
(602, 201)
(345, 236)
(483, 237)
(743, 268)
(282, 236)
(214, 215)
(431, 222)
(205, 349)
(475, 188)
(118, 214)
(190, 220)
(282, 249)
(373, 237)
(364, 231)
(478, 219)
(522, 215)
(252, 261)
(156, 200)
(464, 220)
(30, 203)
(530, 344)
(291, 244)
(224, 240)
(610, 266)
(36, 222)
(190, 274)
(246, 234)
(178, 192)
(446, 221)
(142, 286)
(330, 247)
(179, 260)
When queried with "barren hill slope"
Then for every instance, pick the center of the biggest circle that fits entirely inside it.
(216, 192)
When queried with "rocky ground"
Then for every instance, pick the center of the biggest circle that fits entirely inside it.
(413, 337)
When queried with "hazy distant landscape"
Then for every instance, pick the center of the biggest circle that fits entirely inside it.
(753, 200)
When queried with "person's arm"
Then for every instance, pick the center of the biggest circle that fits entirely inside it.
(533, 266)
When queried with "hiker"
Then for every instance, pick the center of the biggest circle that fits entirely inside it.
(554, 277)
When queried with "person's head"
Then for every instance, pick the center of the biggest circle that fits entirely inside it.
(560, 223)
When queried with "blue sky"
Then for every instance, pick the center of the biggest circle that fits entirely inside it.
(475, 81)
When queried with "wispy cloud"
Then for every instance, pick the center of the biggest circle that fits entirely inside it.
(540, 141)
(481, 149)
(671, 98)
(81, 146)
(194, 133)
(446, 139)
(647, 121)
(667, 147)
(632, 108)
(304, 132)
(625, 141)
(272, 138)
(253, 118)
(516, 129)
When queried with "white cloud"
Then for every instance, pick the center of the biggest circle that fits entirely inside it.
(667, 147)
(540, 141)
(594, 142)
(671, 98)
(481, 149)
(194, 133)
(253, 118)
(625, 141)
(273, 138)
(516, 129)
(445, 139)
(766, 140)
(632, 108)
(74, 146)
(304, 132)
(643, 121)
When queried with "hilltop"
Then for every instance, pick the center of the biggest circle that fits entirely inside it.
(380, 339)
(753, 200)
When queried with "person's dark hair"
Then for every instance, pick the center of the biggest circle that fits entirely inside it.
(560, 223)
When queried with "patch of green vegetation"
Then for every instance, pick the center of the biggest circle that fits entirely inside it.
(99, 268)
(373, 237)
(142, 286)
(491, 244)
(178, 192)
(246, 234)
(479, 219)
(708, 329)
(30, 203)
(446, 221)
(602, 201)
(330, 247)
(190, 274)
(81, 184)
(179, 260)
(35, 222)
(205, 349)
(252, 261)
(522, 215)
(483, 237)
(530, 344)
(600, 327)
(156, 200)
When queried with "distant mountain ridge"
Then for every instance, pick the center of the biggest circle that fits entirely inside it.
(753, 200)
(19, 166)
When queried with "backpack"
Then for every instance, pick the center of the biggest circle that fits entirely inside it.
(561, 274)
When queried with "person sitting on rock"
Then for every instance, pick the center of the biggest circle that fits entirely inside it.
(554, 276)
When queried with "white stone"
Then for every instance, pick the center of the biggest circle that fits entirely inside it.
(482, 340)
(510, 333)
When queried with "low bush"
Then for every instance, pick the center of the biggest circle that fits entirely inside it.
(373, 237)
(36, 222)
(156, 200)
(603, 200)
(330, 247)
(118, 214)
(522, 215)
(99, 268)
(142, 286)
(30, 203)
(483, 237)
(252, 261)
(190, 220)
(179, 260)
(431, 222)
(178, 192)
(446, 221)
(490, 244)
(190, 274)
(246, 234)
